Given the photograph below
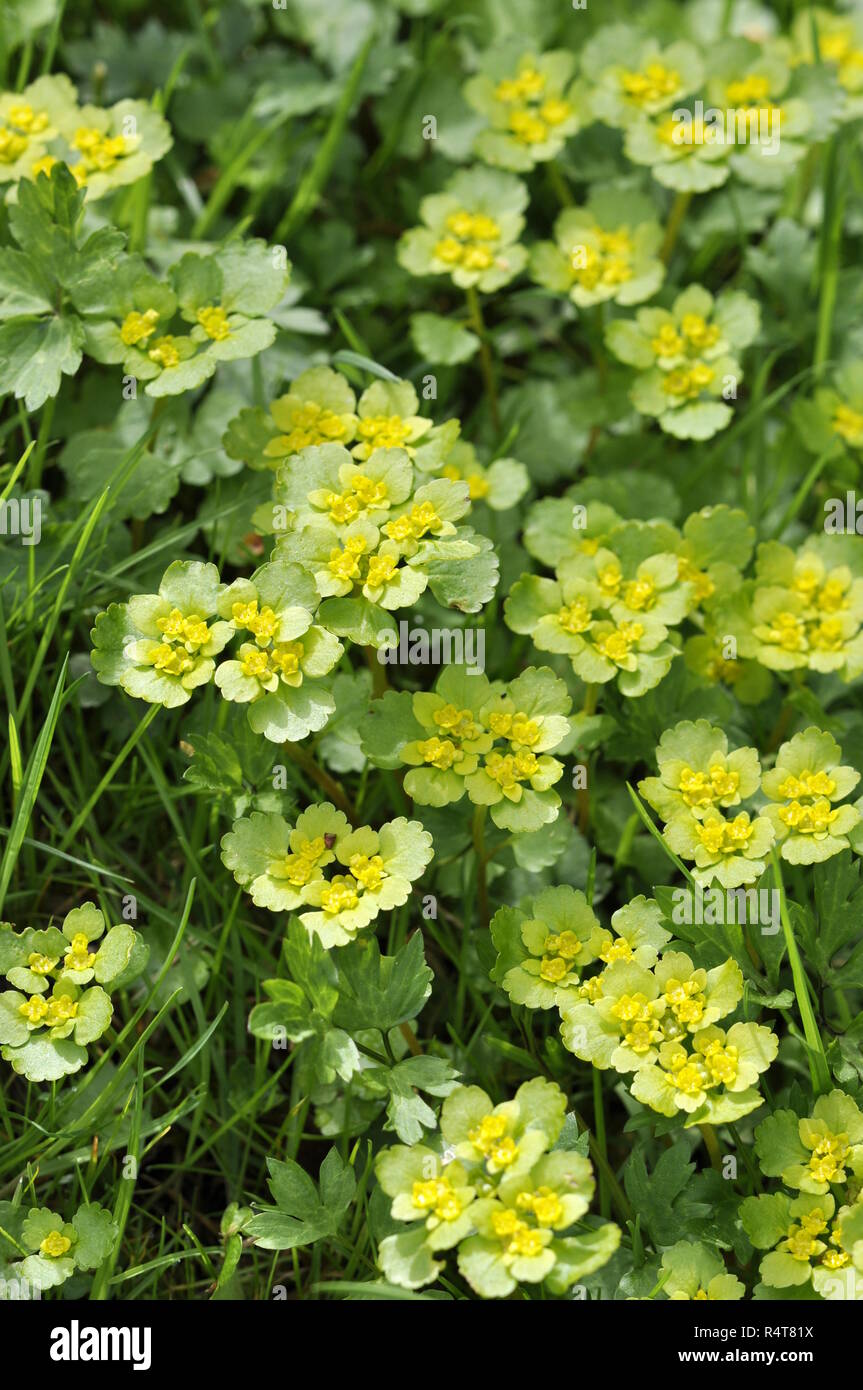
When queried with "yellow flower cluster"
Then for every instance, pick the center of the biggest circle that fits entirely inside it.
(533, 115)
(471, 240)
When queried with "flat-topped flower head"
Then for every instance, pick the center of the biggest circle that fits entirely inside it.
(57, 1004)
(502, 1141)
(544, 945)
(804, 786)
(769, 122)
(619, 1022)
(683, 150)
(104, 148)
(375, 534)
(710, 1076)
(470, 231)
(632, 652)
(388, 418)
(489, 1186)
(697, 773)
(529, 103)
(605, 251)
(816, 1152)
(728, 850)
(683, 358)
(53, 1248)
(804, 608)
(491, 741)
(324, 484)
(559, 613)
(610, 604)
(803, 1236)
(696, 998)
(518, 1231)
(368, 871)
(633, 76)
(319, 408)
(426, 1190)
(160, 647)
(636, 934)
(277, 672)
(275, 861)
(698, 1273)
(31, 121)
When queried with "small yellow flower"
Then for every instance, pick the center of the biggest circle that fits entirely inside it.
(748, 91)
(369, 871)
(253, 662)
(848, 423)
(381, 570)
(699, 333)
(575, 617)
(439, 753)
(668, 342)
(172, 660)
(79, 956)
(54, 1245)
(22, 116)
(34, 1009)
(164, 351)
(655, 83)
(61, 1009)
(615, 646)
(214, 322)
(460, 722)
(41, 964)
(12, 146)
(339, 895)
(345, 564)
(138, 327)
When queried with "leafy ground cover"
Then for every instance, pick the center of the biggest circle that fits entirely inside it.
(431, 641)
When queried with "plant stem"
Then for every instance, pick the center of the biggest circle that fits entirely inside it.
(481, 861)
(37, 458)
(333, 789)
(380, 682)
(618, 1196)
(818, 1066)
(599, 1126)
(708, 1134)
(410, 1038)
(828, 259)
(478, 324)
(679, 209)
(559, 185)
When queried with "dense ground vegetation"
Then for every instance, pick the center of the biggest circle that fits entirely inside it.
(431, 641)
